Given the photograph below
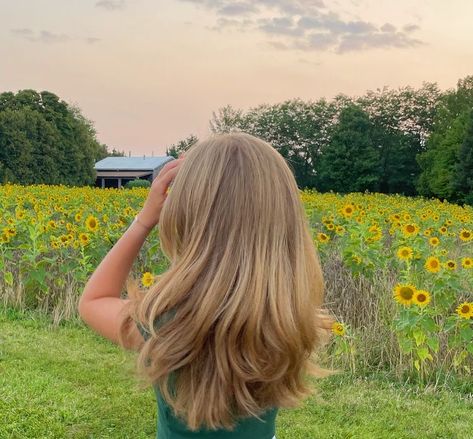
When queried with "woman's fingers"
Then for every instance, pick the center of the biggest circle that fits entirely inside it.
(164, 180)
(169, 165)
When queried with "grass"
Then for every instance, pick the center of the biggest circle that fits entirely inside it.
(68, 382)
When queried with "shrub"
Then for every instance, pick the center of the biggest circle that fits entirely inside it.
(138, 183)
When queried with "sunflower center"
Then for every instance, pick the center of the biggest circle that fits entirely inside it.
(410, 228)
(421, 297)
(465, 309)
(406, 293)
(434, 264)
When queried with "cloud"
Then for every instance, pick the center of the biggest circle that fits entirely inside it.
(306, 25)
(110, 5)
(376, 40)
(48, 37)
(239, 8)
(23, 32)
(410, 28)
(43, 36)
(92, 40)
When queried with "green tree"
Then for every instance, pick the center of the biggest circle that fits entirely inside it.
(182, 146)
(46, 140)
(463, 179)
(351, 160)
(296, 129)
(29, 148)
(438, 162)
(403, 119)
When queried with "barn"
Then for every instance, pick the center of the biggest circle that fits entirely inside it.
(117, 171)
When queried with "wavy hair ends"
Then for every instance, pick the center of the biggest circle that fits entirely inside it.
(244, 286)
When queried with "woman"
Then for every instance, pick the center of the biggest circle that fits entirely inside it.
(226, 334)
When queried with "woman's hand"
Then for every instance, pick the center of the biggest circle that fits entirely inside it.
(149, 214)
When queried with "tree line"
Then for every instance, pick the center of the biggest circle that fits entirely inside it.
(412, 141)
(406, 140)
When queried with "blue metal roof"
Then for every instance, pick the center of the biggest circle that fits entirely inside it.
(132, 163)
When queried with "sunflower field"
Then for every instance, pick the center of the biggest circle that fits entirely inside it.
(398, 270)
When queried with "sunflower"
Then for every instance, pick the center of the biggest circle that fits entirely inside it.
(340, 230)
(322, 237)
(403, 293)
(432, 264)
(466, 235)
(64, 239)
(465, 310)
(405, 253)
(356, 259)
(434, 241)
(4, 238)
(52, 224)
(338, 328)
(78, 217)
(84, 238)
(330, 226)
(421, 298)
(10, 231)
(92, 223)
(376, 231)
(450, 264)
(443, 230)
(147, 279)
(467, 262)
(348, 210)
(410, 229)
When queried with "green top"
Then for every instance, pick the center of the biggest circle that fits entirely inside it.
(170, 427)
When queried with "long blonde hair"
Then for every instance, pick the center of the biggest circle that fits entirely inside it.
(245, 285)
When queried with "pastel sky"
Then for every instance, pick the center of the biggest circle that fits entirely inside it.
(150, 72)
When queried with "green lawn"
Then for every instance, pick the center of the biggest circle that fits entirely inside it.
(68, 382)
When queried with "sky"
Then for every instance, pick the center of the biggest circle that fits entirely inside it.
(149, 73)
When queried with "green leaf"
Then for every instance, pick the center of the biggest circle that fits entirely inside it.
(405, 344)
(417, 364)
(469, 348)
(466, 334)
(428, 324)
(419, 336)
(423, 352)
(433, 343)
(451, 323)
